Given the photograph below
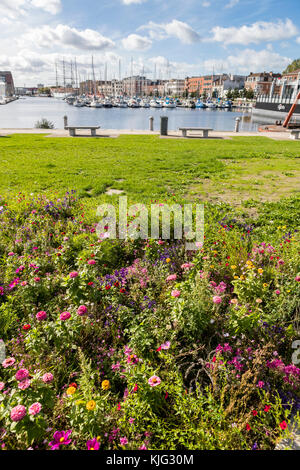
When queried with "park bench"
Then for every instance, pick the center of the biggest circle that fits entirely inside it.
(72, 129)
(205, 130)
(295, 134)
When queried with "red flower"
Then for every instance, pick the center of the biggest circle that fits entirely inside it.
(119, 406)
(135, 388)
(166, 395)
(26, 327)
(248, 427)
(283, 425)
(107, 287)
(254, 412)
(73, 384)
(158, 349)
(267, 408)
(122, 290)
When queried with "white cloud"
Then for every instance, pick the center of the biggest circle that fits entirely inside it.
(130, 2)
(135, 42)
(175, 28)
(250, 60)
(206, 4)
(255, 33)
(63, 35)
(12, 9)
(298, 40)
(51, 6)
(232, 3)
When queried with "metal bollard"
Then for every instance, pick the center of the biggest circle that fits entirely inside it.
(151, 121)
(237, 124)
(163, 125)
(65, 121)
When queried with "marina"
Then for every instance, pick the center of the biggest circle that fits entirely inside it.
(25, 112)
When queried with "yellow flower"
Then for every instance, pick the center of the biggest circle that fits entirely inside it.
(233, 266)
(91, 405)
(265, 284)
(236, 277)
(168, 260)
(105, 385)
(242, 278)
(71, 391)
(260, 271)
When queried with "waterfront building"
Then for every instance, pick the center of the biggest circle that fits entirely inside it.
(223, 83)
(261, 82)
(174, 87)
(7, 84)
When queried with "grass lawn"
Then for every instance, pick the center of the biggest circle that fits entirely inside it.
(147, 167)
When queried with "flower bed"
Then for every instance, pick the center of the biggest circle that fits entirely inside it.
(142, 345)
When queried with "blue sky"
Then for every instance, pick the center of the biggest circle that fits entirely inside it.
(164, 39)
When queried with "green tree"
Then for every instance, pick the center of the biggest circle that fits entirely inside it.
(295, 65)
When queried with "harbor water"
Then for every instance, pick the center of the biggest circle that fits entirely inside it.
(25, 112)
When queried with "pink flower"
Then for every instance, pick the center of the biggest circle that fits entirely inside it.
(91, 262)
(37, 279)
(143, 447)
(22, 374)
(172, 277)
(24, 384)
(73, 274)
(123, 441)
(40, 316)
(8, 362)
(2, 385)
(17, 413)
(260, 384)
(93, 444)
(187, 266)
(175, 293)
(154, 381)
(277, 292)
(166, 345)
(65, 316)
(47, 378)
(35, 409)
(297, 278)
(60, 438)
(82, 310)
(217, 299)
(11, 253)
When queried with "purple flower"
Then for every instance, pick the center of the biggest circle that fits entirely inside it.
(60, 438)
(93, 444)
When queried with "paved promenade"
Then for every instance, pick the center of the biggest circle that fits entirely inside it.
(172, 134)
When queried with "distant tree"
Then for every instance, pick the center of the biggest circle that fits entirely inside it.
(229, 94)
(235, 93)
(295, 65)
(185, 93)
(44, 124)
(44, 91)
(214, 94)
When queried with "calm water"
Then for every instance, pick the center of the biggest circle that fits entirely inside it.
(24, 113)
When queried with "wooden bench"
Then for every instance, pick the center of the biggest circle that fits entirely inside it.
(205, 130)
(72, 129)
(295, 134)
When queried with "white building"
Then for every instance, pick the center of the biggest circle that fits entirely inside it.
(174, 87)
(224, 83)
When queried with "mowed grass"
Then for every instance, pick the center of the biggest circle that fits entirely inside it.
(148, 168)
